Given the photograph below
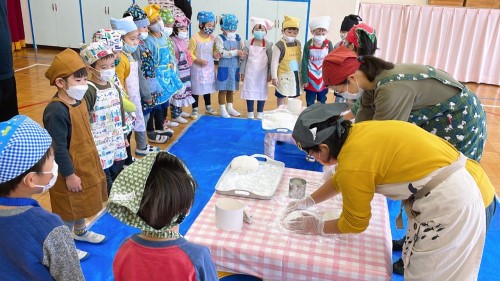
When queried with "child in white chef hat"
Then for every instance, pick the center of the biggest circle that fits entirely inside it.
(315, 50)
(256, 67)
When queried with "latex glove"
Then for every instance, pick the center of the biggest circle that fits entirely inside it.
(301, 204)
(306, 224)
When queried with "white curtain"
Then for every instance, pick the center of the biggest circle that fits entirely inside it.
(464, 42)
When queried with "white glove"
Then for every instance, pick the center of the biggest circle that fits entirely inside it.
(301, 204)
(306, 224)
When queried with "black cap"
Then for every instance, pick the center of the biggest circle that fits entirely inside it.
(304, 136)
(349, 21)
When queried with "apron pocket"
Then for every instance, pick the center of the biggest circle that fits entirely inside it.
(222, 73)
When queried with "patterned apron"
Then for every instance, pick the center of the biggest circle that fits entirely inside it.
(106, 126)
(288, 72)
(133, 90)
(203, 77)
(71, 206)
(183, 97)
(166, 74)
(446, 224)
(255, 84)
(460, 120)
(228, 71)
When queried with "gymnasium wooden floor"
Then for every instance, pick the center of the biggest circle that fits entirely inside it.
(34, 92)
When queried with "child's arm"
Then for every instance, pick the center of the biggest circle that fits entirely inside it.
(59, 255)
(243, 65)
(219, 48)
(274, 63)
(305, 63)
(123, 69)
(144, 88)
(90, 98)
(330, 46)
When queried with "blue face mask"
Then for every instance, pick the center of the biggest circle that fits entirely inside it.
(129, 49)
(259, 34)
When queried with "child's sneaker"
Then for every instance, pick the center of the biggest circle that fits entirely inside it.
(211, 111)
(185, 115)
(169, 123)
(250, 115)
(194, 115)
(179, 119)
(166, 132)
(82, 255)
(259, 115)
(149, 149)
(90, 237)
(156, 137)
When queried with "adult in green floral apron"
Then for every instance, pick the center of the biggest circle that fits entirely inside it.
(420, 94)
(445, 193)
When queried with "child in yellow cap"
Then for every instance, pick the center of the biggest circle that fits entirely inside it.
(285, 65)
(80, 189)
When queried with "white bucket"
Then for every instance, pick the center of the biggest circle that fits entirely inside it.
(229, 214)
(294, 106)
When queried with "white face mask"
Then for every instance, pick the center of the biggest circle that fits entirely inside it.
(77, 92)
(144, 35)
(182, 34)
(231, 35)
(157, 27)
(107, 74)
(168, 30)
(52, 181)
(319, 38)
(289, 39)
(350, 96)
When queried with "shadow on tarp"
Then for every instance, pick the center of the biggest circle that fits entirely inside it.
(490, 268)
(207, 147)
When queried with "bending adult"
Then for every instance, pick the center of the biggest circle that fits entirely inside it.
(445, 192)
(8, 92)
(419, 94)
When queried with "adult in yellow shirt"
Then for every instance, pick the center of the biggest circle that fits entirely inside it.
(446, 192)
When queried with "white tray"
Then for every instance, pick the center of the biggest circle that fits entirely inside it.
(279, 120)
(261, 184)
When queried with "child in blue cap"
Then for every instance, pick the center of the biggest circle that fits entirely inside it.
(230, 47)
(35, 243)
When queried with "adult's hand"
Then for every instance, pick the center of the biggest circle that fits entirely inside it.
(306, 224)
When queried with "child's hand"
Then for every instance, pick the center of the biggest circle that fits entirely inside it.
(242, 77)
(217, 56)
(127, 144)
(241, 54)
(275, 82)
(74, 183)
(201, 62)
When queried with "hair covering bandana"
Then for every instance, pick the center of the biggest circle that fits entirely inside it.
(126, 196)
(64, 64)
(111, 38)
(264, 22)
(181, 21)
(22, 144)
(305, 136)
(167, 16)
(139, 16)
(229, 22)
(320, 22)
(204, 17)
(152, 11)
(339, 64)
(354, 34)
(349, 21)
(124, 25)
(291, 22)
(94, 51)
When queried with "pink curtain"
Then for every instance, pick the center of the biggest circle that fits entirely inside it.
(464, 42)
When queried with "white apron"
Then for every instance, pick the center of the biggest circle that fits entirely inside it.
(255, 83)
(133, 90)
(203, 77)
(106, 126)
(446, 226)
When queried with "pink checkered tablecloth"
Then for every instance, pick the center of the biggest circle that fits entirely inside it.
(267, 250)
